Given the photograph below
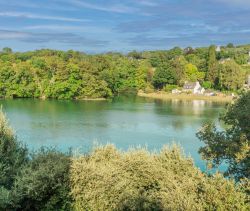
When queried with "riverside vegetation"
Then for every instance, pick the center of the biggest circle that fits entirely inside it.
(75, 75)
(109, 179)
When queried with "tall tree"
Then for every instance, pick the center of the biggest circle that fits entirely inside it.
(232, 76)
(164, 74)
(233, 144)
(212, 73)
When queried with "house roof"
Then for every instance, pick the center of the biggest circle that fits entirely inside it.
(190, 85)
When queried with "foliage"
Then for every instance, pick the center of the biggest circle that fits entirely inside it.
(13, 156)
(207, 84)
(43, 184)
(231, 145)
(164, 74)
(31, 182)
(212, 73)
(192, 74)
(169, 87)
(69, 75)
(74, 75)
(232, 77)
(108, 179)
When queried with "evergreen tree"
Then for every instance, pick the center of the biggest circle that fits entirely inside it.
(212, 73)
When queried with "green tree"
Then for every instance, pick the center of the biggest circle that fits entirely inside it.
(231, 76)
(13, 156)
(212, 72)
(7, 50)
(163, 75)
(233, 144)
(230, 45)
(43, 184)
(192, 74)
(178, 64)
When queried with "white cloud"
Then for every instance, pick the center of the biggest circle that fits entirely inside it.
(241, 3)
(6, 34)
(43, 17)
(149, 3)
(38, 38)
(117, 8)
(55, 27)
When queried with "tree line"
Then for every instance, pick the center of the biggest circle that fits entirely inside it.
(75, 75)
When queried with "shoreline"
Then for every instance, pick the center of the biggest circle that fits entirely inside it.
(169, 96)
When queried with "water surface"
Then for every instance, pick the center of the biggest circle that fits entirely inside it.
(125, 122)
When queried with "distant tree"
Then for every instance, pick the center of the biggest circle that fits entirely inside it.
(230, 45)
(233, 144)
(241, 58)
(188, 50)
(212, 73)
(232, 76)
(178, 64)
(174, 52)
(164, 74)
(134, 55)
(192, 73)
(7, 50)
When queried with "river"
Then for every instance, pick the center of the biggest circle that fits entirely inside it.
(124, 121)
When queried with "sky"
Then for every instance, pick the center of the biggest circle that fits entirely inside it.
(107, 25)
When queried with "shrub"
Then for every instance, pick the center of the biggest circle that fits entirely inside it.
(169, 87)
(207, 84)
(44, 183)
(38, 183)
(13, 156)
(108, 179)
(149, 89)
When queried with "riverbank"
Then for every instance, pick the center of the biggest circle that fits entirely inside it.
(183, 96)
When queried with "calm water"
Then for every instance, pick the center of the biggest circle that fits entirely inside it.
(124, 121)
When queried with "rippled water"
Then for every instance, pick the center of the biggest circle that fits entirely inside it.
(125, 122)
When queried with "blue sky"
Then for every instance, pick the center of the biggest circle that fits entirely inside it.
(100, 26)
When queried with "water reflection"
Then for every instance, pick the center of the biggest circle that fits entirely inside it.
(125, 121)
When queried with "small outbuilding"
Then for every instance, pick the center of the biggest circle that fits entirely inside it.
(193, 87)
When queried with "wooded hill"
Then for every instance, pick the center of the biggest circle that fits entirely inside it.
(75, 75)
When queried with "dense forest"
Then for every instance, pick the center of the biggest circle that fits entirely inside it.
(76, 75)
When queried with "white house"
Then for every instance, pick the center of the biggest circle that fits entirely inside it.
(218, 49)
(193, 87)
(249, 57)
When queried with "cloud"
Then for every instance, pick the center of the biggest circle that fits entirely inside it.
(174, 27)
(63, 38)
(244, 3)
(149, 3)
(196, 40)
(42, 17)
(37, 5)
(60, 27)
(117, 8)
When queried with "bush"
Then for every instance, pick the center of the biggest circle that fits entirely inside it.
(38, 183)
(169, 87)
(108, 179)
(149, 89)
(207, 84)
(13, 156)
(44, 183)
